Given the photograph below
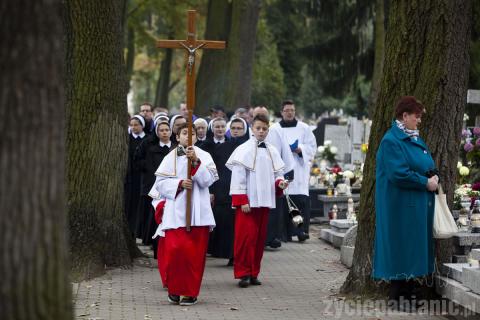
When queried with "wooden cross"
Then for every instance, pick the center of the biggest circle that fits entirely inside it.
(191, 45)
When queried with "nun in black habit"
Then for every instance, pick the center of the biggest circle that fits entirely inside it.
(148, 157)
(221, 239)
(133, 177)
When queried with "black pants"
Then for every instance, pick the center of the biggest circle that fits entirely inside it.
(274, 230)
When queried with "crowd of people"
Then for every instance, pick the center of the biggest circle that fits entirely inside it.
(241, 167)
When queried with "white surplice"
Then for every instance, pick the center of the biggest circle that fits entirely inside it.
(302, 165)
(171, 171)
(280, 142)
(254, 172)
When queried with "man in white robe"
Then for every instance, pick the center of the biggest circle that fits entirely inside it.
(303, 147)
(184, 251)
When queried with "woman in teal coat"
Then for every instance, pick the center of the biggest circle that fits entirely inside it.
(404, 202)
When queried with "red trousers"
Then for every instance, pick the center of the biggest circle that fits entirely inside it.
(162, 261)
(185, 254)
(250, 236)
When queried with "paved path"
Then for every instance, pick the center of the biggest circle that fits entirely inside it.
(300, 281)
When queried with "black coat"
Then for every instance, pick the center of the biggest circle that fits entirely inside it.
(132, 182)
(148, 157)
(220, 154)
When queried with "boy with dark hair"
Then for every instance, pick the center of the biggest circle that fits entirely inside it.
(257, 172)
(184, 251)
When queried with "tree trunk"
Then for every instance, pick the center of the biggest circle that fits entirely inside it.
(380, 14)
(225, 76)
(97, 136)
(163, 84)
(130, 59)
(33, 241)
(426, 56)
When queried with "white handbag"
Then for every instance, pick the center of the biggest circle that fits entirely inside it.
(443, 224)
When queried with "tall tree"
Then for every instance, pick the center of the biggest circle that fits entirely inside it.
(33, 242)
(97, 136)
(225, 77)
(379, 42)
(426, 56)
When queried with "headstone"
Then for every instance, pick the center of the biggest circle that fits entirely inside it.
(350, 236)
(348, 246)
(327, 202)
(359, 131)
(473, 96)
(319, 132)
(471, 278)
(340, 139)
(475, 254)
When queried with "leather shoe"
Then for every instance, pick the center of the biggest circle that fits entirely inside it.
(302, 237)
(244, 282)
(255, 282)
(275, 243)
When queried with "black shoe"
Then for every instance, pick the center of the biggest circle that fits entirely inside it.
(173, 299)
(244, 282)
(302, 237)
(188, 301)
(307, 235)
(255, 282)
(230, 262)
(275, 243)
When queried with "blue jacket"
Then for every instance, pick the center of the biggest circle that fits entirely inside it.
(404, 208)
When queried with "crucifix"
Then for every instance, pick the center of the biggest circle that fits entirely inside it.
(191, 45)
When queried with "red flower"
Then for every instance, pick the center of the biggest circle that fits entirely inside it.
(476, 186)
(336, 169)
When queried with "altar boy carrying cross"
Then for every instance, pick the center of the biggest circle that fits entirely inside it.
(185, 251)
(183, 179)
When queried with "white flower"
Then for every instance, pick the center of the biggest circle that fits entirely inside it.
(333, 149)
(465, 117)
(463, 190)
(321, 149)
(348, 174)
(459, 165)
(464, 171)
(327, 142)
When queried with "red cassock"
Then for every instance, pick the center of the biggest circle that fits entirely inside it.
(250, 236)
(185, 254)
(161, 259)
(181, 255)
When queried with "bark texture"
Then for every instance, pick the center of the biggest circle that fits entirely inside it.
(33, 242)
(97, 136)
(225, 76)
(426, 55)
(379, 51)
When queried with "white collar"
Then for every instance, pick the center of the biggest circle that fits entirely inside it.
(246, 156)
(168, 144)
(204, 138)
(217, 141)
(141, 135)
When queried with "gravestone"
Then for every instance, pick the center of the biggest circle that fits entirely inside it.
(359, 132)
(340, 139)
(348, 246)
(336, 233)
(319, 132)
(473, 97)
